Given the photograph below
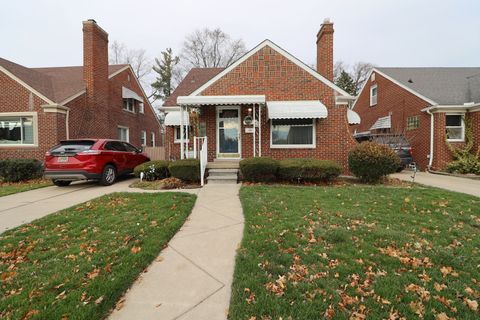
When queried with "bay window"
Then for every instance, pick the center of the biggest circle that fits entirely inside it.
(292, 133)
(17, 130)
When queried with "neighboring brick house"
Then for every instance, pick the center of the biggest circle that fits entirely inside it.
(267, 103)
(409, 100)
(41, 106)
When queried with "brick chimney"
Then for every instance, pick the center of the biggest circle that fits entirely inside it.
(95, 75)
(95, 61)
(325, 50)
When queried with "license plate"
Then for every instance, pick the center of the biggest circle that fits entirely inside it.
(62, 159)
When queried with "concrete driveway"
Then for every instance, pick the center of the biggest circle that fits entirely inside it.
(24, 207)
(463, 185)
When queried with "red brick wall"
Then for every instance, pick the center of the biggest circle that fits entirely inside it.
(15, 98)
(268, 72)
(475, 116)
(401, 104)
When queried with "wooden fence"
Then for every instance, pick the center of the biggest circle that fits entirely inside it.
(155, 153)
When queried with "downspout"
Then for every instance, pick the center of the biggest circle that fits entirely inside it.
(430, 160)
(67, 116)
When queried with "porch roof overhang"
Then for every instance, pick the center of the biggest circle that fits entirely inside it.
(467, 107)
(173, 118)
(382, 123)
(310, 109)
(353, 117)
(220, 100)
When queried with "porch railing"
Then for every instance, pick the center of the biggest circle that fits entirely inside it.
(200, 152)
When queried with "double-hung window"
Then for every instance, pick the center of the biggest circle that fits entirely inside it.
(373, 95)
(129, 104)
(455, 127)
(413, 122)
(123, 134)
(152, 135)
(292, 133)
(143, 138)
(17, 130)
(178, 135)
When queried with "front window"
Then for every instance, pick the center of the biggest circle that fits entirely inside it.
(293, 133)
(123, 134)
(455, 127)
(16, 130)
(129, 104)
(143, 138)
(373, 95)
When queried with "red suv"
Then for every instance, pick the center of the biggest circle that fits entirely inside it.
(91, 159)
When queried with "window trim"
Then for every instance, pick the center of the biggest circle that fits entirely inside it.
(176, 139)
(34, 116)
(313, 145)
(143, 136)
(152, 138)
(141, 107)
(128, 133)
(133, 105)
(462, 126)
(417, 117)
(374, 86)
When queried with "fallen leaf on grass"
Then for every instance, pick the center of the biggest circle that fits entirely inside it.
(99, 300)
(439, 287)
(442, 316)
(93, 274)
(135, 250)
(61, 296)
(418, 308)
(30, 314)
(472, 304)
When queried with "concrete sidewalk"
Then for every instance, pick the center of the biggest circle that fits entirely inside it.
(192, 277)
(24, 207)
(463, 185)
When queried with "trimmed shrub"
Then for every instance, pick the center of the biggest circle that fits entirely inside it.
(260, 169)
(154, 170)
(15, 170)
(369, 161)
(186, 170)
(467, 164)
(308, 170)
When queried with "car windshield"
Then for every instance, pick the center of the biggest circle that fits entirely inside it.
(73, 146)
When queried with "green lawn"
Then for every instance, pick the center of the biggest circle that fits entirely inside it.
(77, 263)
(356, 252)
(15, 187)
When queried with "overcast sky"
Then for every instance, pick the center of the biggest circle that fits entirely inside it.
(387, 33)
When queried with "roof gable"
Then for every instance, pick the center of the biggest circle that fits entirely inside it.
(284, 53)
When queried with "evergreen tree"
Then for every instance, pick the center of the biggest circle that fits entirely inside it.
(346, 82)
(165, 68)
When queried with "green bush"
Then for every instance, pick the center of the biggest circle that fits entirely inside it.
(186, 170)
(14, 170)
(308, 170)
(369, 161)
(469, 163)
(260, 169)
(154, 170)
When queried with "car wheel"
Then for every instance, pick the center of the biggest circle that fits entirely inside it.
(61, 183)
(109, 175)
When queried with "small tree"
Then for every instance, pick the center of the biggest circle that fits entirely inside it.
(345, 82)
(165, 69)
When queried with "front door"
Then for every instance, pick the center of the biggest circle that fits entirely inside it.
(228, 132)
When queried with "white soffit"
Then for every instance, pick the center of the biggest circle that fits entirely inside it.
(220, 100)
(173, 118)
(129, 94)
(382, 123)
(296, 109)
(353, 117)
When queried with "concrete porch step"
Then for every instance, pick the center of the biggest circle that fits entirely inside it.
(231, 178)
(223, 165)
(222, 172)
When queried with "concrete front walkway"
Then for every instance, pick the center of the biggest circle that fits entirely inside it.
(192, 277)
(463, 185)
(24, 207)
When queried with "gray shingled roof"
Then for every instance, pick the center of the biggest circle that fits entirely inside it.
(445, 86)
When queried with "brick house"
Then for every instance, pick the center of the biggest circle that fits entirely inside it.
(267, 103)
(427, 105)
(41, 106)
